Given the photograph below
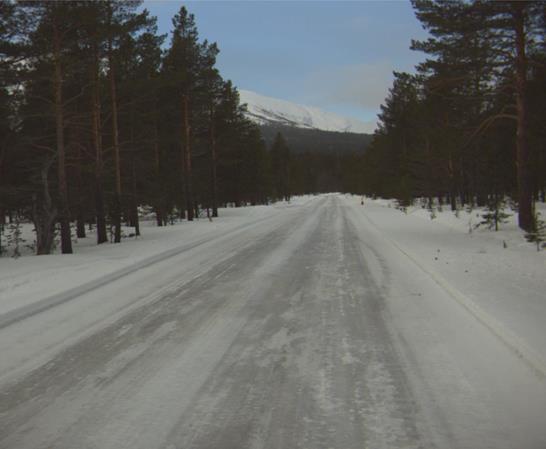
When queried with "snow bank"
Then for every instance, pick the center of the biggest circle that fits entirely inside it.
(498, 276)
(32, 283)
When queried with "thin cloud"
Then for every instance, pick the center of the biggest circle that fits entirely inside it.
(360, 85)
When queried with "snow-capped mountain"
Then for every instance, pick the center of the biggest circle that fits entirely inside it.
(266, 110)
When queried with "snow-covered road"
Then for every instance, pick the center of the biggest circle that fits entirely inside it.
(308, 329)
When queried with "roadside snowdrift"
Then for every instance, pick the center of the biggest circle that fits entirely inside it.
(496, 273)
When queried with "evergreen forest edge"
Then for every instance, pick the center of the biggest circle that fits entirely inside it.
(99, 117)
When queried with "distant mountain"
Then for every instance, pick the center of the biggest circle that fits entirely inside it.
(272, 111)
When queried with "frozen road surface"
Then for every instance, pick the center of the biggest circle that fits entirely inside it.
(305, 330)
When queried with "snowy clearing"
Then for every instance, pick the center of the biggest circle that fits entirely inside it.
(320, 323)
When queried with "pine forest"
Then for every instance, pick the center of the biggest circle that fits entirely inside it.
(103, 118)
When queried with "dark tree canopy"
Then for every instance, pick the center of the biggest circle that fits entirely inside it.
(468, 127)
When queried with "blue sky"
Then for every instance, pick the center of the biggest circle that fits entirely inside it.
(335, 55)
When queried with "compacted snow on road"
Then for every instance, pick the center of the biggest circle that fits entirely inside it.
(310, 326)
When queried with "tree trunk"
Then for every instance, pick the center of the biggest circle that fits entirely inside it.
(159, 209)
(44, 215)
(80, 215)
(159, 201)
(64, 216)
(186, 155)
(116, 212)
(214, 185)
(134, 203)
(97, 144)
(525, 200)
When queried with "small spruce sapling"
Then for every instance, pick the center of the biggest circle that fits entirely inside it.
(494, 213)
(538, 234)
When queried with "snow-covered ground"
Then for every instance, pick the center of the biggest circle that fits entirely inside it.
(319, 323)
(29, 279)
(498, 272)
(468, 314)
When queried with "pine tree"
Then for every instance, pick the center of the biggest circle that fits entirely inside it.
(42, 116)
(472, 48)
(211, 91)
(52, 36)
(58, 17)
(122, 22)
(92, 39)
(106, 121)
(181, 70)
(397, 137)
(138, 72)
(146, 78)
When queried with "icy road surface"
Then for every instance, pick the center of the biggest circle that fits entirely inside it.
(305, 330)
